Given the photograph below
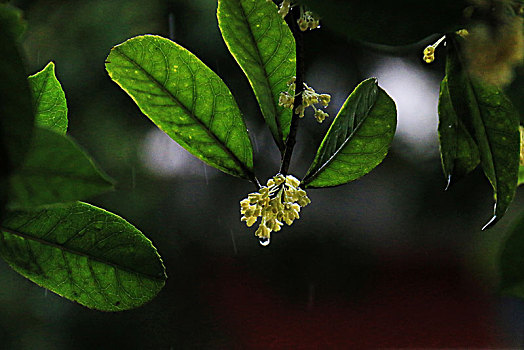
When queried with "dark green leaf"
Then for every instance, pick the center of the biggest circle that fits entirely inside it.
(49, 100)
(512, 261)
(83, 253)
(12, 19)
(458, 151)
(358, 139)
(390, 22)
(264, 47)
(185, 99)
(514, 92)
(55, 170)
(493, 123)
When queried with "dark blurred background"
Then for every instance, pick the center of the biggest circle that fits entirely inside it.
(389, 260)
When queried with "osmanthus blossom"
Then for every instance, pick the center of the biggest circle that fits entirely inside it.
(309, 98)
(277, 203)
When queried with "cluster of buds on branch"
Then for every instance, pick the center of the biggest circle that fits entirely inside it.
(285, 6)
(309, 98)
(308, 21)
(280, 201)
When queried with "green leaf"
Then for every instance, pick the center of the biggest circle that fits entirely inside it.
(493, 123)
(512, 261)
(514, 92)
(458, 151)
(390, 22)
(84, 254)
(13, 21)
(55, 170)
(521, 175)
(49, 99)
(264, 47)
(357, 140)
(185, 99)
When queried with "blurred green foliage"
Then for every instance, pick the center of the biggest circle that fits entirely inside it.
(394, 233)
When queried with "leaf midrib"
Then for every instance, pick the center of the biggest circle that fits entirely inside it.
(454, 154)
(237, 161)
(43, 87)
(79, 253)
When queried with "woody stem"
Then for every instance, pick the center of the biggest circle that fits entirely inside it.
(291, 21)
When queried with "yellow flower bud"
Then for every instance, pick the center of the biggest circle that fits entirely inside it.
(302, 24)
(300, 111)
(277, 203)
(429, 59)
(325, 99)
(428, 51)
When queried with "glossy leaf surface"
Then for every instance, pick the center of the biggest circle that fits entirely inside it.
(493, 123)
(83, 253)
(358, 139)
(264, 47)
(185, 99)
(458, 151)
(49, 100)
(55, 170)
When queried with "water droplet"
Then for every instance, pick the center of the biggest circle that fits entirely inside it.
(448, 183)
(264, 241)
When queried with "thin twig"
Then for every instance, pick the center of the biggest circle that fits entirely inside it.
(291, 20)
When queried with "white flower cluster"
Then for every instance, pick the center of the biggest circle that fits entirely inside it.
(309, 98)
(280, 201)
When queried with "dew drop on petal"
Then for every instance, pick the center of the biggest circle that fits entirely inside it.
(264, 241)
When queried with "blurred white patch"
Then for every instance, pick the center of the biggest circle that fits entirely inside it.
(164, 157)
(415, 92)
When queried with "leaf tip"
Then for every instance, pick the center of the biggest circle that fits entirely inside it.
(448, 183)
(491, 223)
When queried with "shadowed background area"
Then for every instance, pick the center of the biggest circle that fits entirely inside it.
(389, 260)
